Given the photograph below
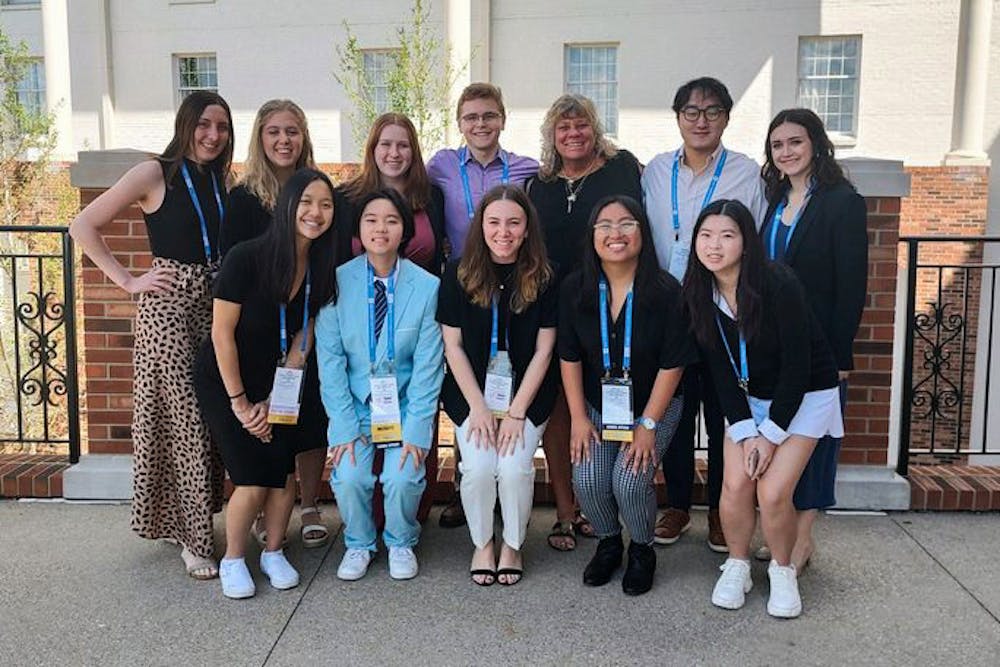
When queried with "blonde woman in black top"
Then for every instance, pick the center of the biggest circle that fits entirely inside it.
(498, 315)
(177, 483)
(777, 385)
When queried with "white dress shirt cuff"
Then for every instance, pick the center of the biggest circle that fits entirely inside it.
(742, 430)
(773, 432)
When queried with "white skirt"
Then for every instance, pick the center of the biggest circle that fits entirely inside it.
(818, 415)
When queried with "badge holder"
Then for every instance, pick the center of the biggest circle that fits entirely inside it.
(387, 428)
(286, 396)
(617, 419)
(499, 388)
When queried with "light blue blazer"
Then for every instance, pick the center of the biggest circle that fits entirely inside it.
(342, 352)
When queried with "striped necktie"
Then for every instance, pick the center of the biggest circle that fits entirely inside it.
(381, 306)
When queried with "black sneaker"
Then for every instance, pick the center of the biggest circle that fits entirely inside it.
(453, 516)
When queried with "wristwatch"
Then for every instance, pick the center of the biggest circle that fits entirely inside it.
(646, 422)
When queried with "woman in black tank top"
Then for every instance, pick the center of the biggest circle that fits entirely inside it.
(182, 193)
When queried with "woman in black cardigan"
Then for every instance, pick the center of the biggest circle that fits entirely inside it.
(777, 385)
(817, 225)
(392, 159)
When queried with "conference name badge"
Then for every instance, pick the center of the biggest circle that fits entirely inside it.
(387, 428)
(679, 257)
(499, 387)
(616, 409)
(286, 396)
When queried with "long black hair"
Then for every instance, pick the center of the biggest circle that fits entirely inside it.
(699, 282)
(276, 251)
(649, 278)
(403, 208)
(825, 169)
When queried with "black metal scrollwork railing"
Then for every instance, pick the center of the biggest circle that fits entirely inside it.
(39, 398)
(950, 288)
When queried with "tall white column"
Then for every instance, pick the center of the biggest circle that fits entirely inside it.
(972, 70)
(468, 24)
(55, 33)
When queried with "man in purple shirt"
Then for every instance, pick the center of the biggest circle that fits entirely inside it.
(466, 174)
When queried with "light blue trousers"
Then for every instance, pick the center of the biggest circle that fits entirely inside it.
(353, 486)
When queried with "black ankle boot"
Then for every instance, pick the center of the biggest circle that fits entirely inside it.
(606, 560)
(638, 577)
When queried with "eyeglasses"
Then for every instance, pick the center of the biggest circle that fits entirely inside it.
(692, 113)
(488, 117)
(626, 227)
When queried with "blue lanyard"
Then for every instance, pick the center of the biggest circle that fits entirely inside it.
(743, 374)
(389, 325)
(463, 154)
(494, 335)
(602, 306)
(772, 254)
(305, 320)
(674, 197)
(197, 207)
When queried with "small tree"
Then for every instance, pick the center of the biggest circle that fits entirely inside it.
(418, 81)
(27, 136)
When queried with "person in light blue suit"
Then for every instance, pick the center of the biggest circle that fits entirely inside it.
(380, 364)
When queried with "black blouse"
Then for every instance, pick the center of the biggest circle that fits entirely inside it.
(565, 231)
(174, 229)
(788, 357)
(455, 309)
(660, 337)
(246, 218)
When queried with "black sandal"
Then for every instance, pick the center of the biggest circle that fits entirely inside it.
(509, 571)
(483, 573)
(562, 529)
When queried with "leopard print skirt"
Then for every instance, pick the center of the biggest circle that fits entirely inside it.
(177, 472)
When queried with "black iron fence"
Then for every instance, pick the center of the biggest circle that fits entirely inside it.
(39, 396)
(951, 323)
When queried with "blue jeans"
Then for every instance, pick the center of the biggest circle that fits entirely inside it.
(353, 486)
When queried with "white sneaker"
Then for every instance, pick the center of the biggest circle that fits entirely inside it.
(354, 564)
(236, 580)
(733, 585)
(402, 563)
(784, 601)
(278, 570)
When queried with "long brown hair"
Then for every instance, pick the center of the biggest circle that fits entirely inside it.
(825, 169)
(185, 123)
(417, 189)
(532, 272)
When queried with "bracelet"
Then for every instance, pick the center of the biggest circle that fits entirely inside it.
(242, 393)
(520, 419)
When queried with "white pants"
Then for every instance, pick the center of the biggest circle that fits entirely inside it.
(485, 475)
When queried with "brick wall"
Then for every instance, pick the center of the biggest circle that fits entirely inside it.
(945, 201)
(867, 417)
(108, 318)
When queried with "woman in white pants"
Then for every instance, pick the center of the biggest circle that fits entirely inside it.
(498, 316)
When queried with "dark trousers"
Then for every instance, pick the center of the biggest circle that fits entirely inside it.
(678, 462)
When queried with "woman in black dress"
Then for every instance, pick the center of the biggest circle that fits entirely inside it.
(279, 145)
(579, 166)
(777, 385)
(267, 295)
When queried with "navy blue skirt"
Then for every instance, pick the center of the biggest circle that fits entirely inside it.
(815, 489)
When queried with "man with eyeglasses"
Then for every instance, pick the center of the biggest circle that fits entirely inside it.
(676, 185)
(465, 175)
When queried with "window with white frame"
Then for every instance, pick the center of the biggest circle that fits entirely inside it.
(195, 72)
(377, 65)
(828, 80)
(592, 71)
(31, 88)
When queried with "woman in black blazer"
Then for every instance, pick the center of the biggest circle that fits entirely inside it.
(392, 159)
(816, 224)
(777, 385)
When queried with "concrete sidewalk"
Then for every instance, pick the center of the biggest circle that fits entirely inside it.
(77, 588)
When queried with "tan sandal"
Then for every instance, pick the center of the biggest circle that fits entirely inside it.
(199, 568)
(313, 542)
